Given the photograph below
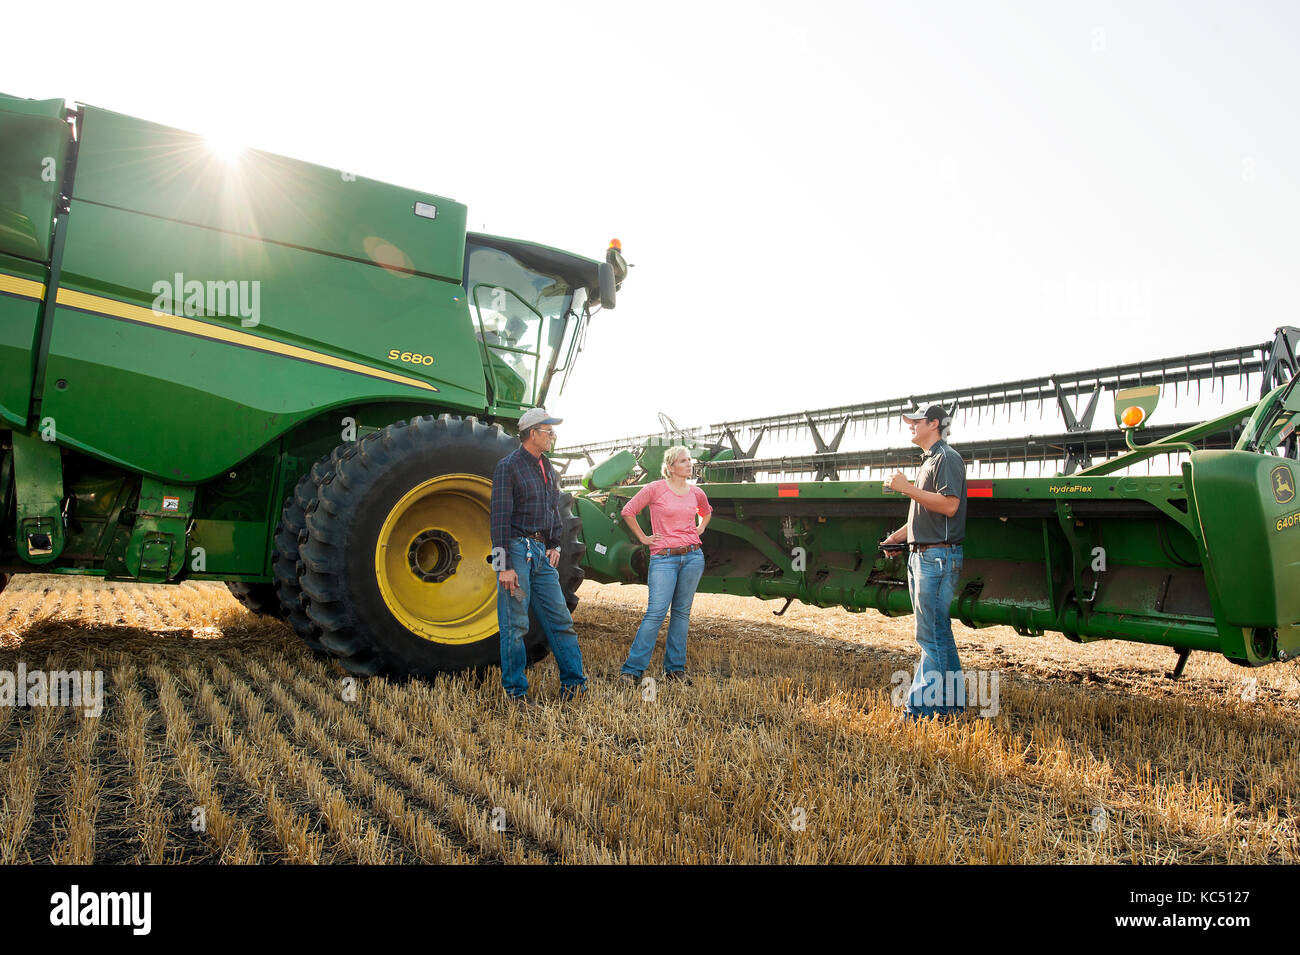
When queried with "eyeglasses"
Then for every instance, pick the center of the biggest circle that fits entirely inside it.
(550, 431)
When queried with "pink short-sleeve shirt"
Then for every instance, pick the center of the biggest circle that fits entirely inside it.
(672, 516)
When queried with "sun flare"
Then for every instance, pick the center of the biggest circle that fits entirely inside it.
(225, 147)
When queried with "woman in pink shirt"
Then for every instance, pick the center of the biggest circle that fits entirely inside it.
(676, 562)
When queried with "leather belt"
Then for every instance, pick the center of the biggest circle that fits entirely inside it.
(917, 548)
(537, 536)
(679, 551)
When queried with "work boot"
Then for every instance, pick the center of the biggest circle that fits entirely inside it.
(677, 676)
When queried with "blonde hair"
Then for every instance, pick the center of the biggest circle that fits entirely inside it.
(670, 458)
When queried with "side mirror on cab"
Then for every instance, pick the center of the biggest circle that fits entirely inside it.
(608, 286)
(612, 272)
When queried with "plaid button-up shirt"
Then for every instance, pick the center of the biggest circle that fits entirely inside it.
(523, 502)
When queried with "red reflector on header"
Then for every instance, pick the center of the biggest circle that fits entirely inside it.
(787, 490)
(979, 488)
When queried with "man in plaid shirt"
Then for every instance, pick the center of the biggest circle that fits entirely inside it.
(526, 536)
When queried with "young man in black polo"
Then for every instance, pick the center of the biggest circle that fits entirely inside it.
(526, 537)
(936, 525)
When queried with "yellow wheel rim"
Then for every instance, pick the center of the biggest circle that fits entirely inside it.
(431, 560)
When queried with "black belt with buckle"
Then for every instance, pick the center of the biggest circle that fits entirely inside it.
(537, 536)
(917, 548)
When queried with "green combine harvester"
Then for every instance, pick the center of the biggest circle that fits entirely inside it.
(269, 373)
(298, 381)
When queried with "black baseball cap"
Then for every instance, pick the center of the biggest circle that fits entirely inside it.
(930, 413)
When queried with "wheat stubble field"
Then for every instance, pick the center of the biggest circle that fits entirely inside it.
(786, 748)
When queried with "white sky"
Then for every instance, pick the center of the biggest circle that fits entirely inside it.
(825, 203)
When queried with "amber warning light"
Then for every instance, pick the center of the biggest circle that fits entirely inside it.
(615, 244)
(1132, 416)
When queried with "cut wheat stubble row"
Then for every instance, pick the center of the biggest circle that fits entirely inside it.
(21, 777)
(1169, 819)
(420, 835)
(80, 603)
(581, 766)
(675, 798)
(57, 601)
(170, 606)
(1180, 758)
(1181, 797)
(229, 838)
(639, 794)
(107, 610)
(145, 815)
(292, 831)
(1213, 789)
(1075, 779)
(81, 796)
(1083, 850)
(429, 712)
(1192, 818)
(734, 793)
(999, 812)
(30, 604)
(671, 771)
(143, 614)
(354, 834)
(559, 828)
(157, 605)
(86, 598)
(474, 823)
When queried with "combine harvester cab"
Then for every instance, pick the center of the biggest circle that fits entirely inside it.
(1204, 558)
(193, 349)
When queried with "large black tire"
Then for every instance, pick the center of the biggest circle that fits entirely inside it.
(286, 564)
(284, 598)
(407, 477)
(257, 598)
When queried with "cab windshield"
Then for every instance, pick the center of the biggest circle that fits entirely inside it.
(526, 318)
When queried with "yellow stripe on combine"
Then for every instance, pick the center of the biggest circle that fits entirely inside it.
(174, 323)
(24, 287)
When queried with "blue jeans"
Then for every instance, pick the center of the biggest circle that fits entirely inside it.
(672, 579)
(539, 585)
(938, 686)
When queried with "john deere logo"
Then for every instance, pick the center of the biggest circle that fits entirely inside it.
(1283, 484)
